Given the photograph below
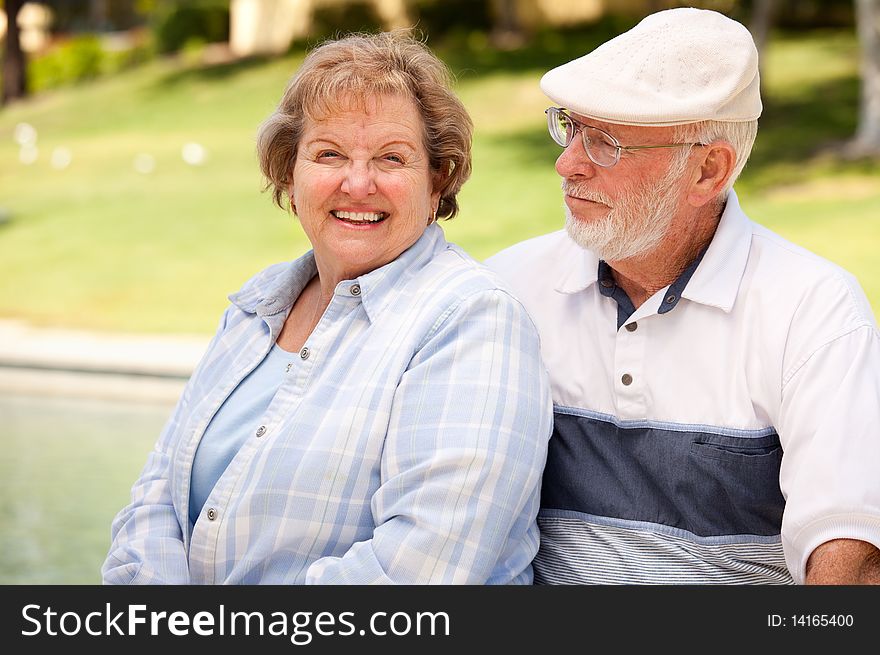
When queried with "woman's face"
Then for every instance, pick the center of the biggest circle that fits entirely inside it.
(362, 186)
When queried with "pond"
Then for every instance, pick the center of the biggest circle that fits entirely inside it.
(67, 468)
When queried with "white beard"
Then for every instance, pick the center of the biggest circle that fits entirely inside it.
(637, 222)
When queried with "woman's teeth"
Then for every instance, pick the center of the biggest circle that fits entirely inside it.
(359, 217)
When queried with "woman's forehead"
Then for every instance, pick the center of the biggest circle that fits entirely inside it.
(325, 106)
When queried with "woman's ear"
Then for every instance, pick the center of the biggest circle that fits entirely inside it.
(716, 164)
(291, 198)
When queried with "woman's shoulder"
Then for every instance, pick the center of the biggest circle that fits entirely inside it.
(455, 284)
(460, 275)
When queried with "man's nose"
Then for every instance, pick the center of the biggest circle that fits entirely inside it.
(574, 161)
(359, 181)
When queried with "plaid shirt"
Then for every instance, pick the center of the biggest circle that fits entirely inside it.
(406, 446)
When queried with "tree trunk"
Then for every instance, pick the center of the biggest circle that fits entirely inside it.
(762, 20)
(14, 67)
(867, 138)
(763, 13)
(98, 14)
(507, 30)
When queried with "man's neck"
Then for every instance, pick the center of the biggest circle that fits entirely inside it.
(643, 276)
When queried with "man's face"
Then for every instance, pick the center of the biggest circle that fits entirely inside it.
(624, 211)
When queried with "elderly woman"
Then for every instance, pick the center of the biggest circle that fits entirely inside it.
(375, 411)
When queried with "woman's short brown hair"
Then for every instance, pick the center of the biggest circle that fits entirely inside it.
(361, 66)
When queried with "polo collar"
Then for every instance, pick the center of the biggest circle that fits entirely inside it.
(579, 268)
(717, 279)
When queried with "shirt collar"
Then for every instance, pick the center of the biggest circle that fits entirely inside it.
(275, 289)
(578, 267)
(717, 279)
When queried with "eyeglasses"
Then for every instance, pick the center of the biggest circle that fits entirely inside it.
(602, 148)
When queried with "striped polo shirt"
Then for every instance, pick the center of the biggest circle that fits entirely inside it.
(718, 433)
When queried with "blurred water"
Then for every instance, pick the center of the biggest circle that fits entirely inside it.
(66, 469)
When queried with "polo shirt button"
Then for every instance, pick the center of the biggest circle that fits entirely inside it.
(304, 353)
(355, 289)
(261, 431)
(627, 379)
(606, 283)
(632, 327)
(212, 514)
(670, 298)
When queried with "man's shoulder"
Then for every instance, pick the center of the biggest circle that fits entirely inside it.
(538, 261)
(534, 251)
(797, 266)
(803, 280)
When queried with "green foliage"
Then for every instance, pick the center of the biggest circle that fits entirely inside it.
(77, 59)
(331, 21)
(81, 58)
(439, 18)
(205, 22)
(100, 244)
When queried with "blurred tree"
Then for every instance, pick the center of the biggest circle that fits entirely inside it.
(507, 28)
(14, 63)
(761, 21)
(760, 24)
(867, 138)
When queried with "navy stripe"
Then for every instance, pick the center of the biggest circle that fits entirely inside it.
(705, 483)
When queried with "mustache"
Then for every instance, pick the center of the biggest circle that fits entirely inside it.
(580, 191)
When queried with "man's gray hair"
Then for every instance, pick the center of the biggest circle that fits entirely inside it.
(741, 135)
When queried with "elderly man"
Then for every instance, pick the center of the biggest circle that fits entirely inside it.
(716, 388)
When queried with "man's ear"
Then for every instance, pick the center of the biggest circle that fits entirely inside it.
(716, 163)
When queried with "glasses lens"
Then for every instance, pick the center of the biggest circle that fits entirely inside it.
(561, 128)
(601, 147)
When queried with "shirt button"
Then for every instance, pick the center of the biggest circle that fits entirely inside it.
(271, 301)
(606, 283)
(304, 353)
(212, 514)
(670, 298)
(627, 379)
(632, 327)
(261, 431)
(355, 289)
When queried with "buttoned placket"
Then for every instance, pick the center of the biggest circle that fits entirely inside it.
(283, 407)
(629, 366)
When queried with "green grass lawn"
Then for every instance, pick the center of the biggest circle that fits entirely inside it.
(100, 245)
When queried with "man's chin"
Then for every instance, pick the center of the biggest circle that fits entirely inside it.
(587, 235)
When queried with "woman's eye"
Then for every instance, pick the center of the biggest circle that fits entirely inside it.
(328, 154)
(396, 159)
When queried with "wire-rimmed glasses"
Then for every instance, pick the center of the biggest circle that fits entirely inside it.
(602, 148)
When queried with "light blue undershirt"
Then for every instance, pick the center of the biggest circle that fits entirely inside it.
(232, 425)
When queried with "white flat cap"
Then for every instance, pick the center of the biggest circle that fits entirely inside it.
(676, 66)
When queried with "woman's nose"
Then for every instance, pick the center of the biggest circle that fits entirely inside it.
(359, 181)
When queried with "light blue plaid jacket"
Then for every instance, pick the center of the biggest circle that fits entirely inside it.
(406, 446)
